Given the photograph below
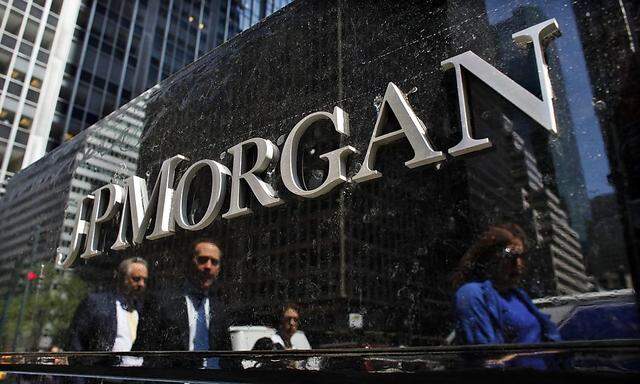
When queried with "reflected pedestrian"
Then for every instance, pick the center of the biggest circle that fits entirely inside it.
(490, 306)
(289, 335)
(190, 318)
(108, 321)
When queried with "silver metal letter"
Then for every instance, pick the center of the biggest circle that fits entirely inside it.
(102, 212)
(264, 192)
(410, 126)
(137, 206)
(540, 110)
(80, 229)
(218, 190)
(337, 158)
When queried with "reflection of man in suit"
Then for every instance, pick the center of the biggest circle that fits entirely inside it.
(108, 321)
(191, 318)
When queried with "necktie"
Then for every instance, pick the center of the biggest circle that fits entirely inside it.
(132, 320)
(201, 336)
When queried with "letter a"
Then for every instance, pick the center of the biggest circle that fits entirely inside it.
(410, 126)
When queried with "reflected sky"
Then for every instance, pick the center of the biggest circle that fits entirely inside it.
(593, 156)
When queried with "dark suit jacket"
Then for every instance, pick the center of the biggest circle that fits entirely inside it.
(164, 325)
(94, 324)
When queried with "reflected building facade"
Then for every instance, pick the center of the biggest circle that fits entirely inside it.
(511, 185)
(616, 109)
(40, 215)
(91, 57)
(553, 193)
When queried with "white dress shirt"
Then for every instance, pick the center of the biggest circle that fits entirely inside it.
(126, 328)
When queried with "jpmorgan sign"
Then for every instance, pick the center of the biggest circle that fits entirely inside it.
(167, 203)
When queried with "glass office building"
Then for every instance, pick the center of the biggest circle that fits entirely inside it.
(65, 65)
(29, 60)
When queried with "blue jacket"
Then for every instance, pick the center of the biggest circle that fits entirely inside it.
(479, 315)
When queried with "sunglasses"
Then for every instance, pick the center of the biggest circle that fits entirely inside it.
(511, 254)
(201, 260)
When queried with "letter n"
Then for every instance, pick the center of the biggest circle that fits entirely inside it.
(539, 110)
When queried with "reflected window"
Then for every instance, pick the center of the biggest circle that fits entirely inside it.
(47, 39)
(30, 31)
(36, 12)
(5, 58)
(18, 75)
(35, 82)
(14, 88)
(8, 41)
(25, 122)
(7, 116)
(13, 23)
(33, 96)
(3, 148)
(15, 161)
(56, 5)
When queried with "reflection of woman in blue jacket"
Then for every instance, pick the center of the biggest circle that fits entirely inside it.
(490, 307)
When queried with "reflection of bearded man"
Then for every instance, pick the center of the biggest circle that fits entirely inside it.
(108, 321)
(132, 276)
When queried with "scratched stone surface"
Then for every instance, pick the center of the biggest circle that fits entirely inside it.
(387, 248)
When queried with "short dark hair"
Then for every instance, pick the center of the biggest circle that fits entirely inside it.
(192, 245)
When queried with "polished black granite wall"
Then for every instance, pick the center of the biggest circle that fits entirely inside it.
(386, 248)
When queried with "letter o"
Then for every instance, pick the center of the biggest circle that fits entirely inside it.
(218, 190)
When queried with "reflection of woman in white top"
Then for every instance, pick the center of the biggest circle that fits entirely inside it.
(288, 335)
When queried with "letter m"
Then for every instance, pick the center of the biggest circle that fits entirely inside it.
(138, 207)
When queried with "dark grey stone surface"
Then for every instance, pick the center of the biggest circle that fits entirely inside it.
(387, 248)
